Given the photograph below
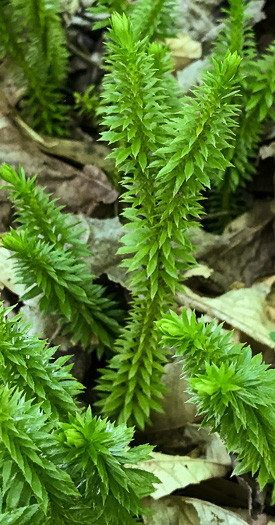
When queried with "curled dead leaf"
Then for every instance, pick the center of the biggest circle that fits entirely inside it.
(177, 472)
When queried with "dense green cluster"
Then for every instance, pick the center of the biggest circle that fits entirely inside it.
(27, 364)
(88, 103)
(257, 87)
(152, 18)
(59, 466)
(31, 35)
(50, 261)
(167, 159)
(234, 391)
(105, 8)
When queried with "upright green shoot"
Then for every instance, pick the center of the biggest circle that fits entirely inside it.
(166, 164)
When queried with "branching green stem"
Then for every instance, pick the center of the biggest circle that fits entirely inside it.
(233, 390)
(162, 193)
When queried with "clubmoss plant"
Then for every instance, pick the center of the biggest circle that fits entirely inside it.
(166, 164)
(105, 8)
(152, 18)
(257, 87)
(50, 261)
(27, 364)
(234, 391)
(59, 465)
(155, 19)
(87, 104)
(32, 37)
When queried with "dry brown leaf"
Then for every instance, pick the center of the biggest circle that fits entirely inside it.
(7, 273)
(177, 411)
(177, 472)
(243, 309)
(85, 151)
(244, 252)
(20, 146)
(175, 510)
(184, 50)
(214, 449)
(86, 191)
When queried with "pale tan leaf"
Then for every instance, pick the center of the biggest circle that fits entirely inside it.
(214, 448)
(177, 411)
(7, 273)
(201, 270)
(184, 50)
(267, 151)
(246, 309)
(85, 151)
(177, 510)
(177, 472)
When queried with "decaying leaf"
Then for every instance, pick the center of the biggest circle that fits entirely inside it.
(104, 236)
(177, 472)
(267, 151)
(7, 273)
(200, 270)
(184, 50)
(177, 411)
(255, 10)
(269, 305)
(85, 151)
(244, 252)
(199, 18)
(77, 188)
(88, 190)
(177, 510)
(244, 309)
(214, 449)
(70, 6)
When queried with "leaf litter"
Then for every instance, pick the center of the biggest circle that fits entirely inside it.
(234, 281)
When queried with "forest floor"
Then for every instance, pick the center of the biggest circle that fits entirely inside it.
(234, 281)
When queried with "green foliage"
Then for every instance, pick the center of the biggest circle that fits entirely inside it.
(237, 33)
(233, 390)
(20, 516)
(98, 448)
(257, 87)
(105, 8)
(59, 466)
(154, 18)
(33, 38)
(88, 103)
(164, 67)
(49, 261)
(166, 164)
(150, 20)
(27, 364)
(29, 473)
